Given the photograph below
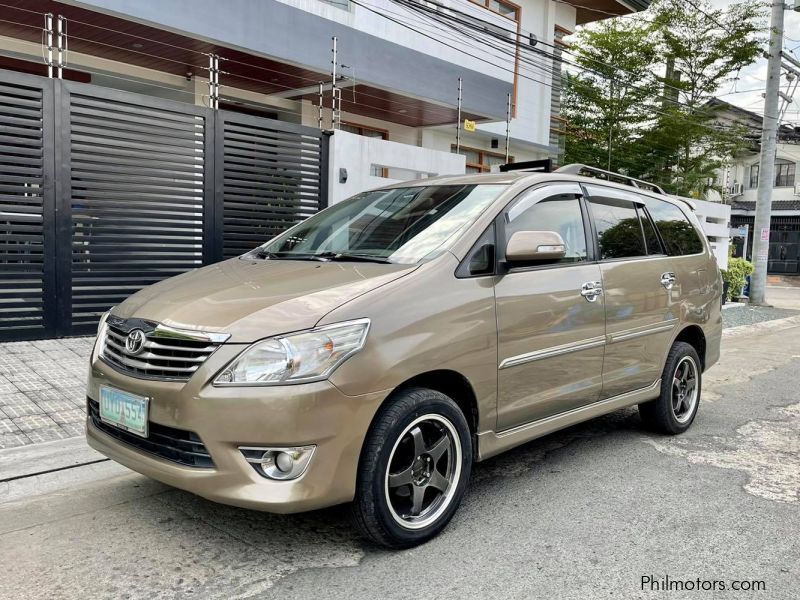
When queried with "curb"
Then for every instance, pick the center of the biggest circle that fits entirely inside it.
(47, 457)
(764, 326)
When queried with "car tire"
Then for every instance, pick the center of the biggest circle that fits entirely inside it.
(414, 469)
(681, 384)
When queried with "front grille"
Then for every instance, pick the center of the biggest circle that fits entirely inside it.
(165, 353)
(176, 445)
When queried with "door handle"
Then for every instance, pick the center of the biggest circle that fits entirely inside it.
(668, 280)
(591, 290)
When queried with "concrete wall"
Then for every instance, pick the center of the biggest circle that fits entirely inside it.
(377, 51)
(414, 55)
(715, 219)
(532, 121)
(443, 139)
(357, 154)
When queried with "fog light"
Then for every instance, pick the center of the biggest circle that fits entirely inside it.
(284, 462)
(279, 463)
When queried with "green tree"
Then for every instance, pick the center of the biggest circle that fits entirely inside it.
(648, 107)
(706, 46)
(603, 112)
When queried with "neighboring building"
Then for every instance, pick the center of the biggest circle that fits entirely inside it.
(739, 180)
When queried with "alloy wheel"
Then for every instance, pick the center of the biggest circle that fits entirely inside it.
(684, 389)
(424, 471)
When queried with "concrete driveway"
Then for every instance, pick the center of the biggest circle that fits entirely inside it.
(584, 513)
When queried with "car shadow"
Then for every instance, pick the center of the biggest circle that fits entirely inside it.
(328, 537)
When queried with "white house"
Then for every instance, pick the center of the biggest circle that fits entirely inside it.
(740, 178)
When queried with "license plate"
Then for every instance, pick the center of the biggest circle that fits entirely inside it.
(124, 410)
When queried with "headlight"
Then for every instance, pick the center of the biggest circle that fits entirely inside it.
(298, 357)
(100, 340)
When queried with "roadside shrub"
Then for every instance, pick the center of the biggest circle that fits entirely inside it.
(736, 275)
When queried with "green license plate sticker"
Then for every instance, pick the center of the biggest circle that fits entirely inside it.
(124, 410)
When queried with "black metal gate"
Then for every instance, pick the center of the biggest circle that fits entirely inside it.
(784, 243)
(270, 173)
(144, 189)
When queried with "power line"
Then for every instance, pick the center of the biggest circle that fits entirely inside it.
(527, 61)
(359, 3)
(205, 68)
(471, 19)
(711, 18)
(551, 56)
(313, 81)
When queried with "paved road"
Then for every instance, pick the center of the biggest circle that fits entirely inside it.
(584, 513)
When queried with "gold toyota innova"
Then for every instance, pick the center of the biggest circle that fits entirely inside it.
(373, 352)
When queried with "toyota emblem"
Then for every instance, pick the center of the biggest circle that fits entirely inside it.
(134, 343)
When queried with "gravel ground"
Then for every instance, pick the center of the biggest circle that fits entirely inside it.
(747, 315)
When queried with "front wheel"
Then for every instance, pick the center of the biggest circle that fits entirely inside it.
(681, 382)
(414, 469)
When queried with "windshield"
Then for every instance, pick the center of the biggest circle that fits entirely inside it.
(400, 225)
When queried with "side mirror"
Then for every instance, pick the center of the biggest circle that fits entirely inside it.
(530, 246)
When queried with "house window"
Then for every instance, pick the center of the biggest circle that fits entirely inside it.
(372, 132)
(482, 161)
(364, 130)
(343, 4)
(507, 9)
(754, 176)
(784, 174)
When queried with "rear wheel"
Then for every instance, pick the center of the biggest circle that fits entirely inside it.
(675, 409)
(414, 469)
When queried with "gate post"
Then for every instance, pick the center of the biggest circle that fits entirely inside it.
(324, 169)
(212, 188)
(63, 209)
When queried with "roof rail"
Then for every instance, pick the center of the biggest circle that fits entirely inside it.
(578, 169)
(544, 165)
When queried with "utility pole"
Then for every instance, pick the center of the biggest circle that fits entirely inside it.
(766, 169)
(611, 120)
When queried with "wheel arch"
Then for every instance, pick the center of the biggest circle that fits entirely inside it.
(448, 382)
(695, 337)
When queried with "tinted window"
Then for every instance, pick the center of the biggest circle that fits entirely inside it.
(560, 213)
(619, 232)
(650, 236)
(679, 236)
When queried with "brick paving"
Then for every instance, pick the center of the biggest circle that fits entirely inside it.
(42, 390)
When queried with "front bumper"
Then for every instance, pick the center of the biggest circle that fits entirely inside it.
(228, 417)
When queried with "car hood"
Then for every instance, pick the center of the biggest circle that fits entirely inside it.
(253, 299)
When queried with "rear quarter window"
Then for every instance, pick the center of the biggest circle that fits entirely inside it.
(679, 235)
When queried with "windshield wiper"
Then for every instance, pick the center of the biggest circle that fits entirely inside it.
(343, 256)
(322, 256)
(265, 254)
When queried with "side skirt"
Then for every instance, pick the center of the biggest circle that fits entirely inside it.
(491, 443)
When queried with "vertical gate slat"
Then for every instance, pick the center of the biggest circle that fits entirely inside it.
(27, 274)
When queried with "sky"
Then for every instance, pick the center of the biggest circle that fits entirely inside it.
(754, 77)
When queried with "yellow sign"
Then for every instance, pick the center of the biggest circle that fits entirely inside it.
(469, 125)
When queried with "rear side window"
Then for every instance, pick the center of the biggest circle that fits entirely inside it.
(679, 235)
(619, 231)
